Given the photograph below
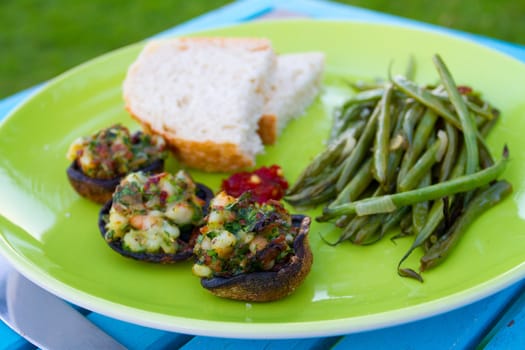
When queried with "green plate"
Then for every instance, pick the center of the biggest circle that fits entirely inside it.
(50, 234)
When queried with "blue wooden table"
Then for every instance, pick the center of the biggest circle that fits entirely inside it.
(496, 322)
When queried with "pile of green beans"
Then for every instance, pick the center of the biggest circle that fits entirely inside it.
(408, 157)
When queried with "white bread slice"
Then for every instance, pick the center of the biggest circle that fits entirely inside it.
(205, 96)
(296, 84)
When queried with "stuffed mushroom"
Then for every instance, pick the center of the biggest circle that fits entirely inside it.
(101, 160)
(155, 218)
(250, 251)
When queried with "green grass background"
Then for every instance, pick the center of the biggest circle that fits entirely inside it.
(42, 38)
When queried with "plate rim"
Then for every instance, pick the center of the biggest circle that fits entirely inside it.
(270, 330)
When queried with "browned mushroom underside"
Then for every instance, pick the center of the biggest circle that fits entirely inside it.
(100, 190)
(269, 285)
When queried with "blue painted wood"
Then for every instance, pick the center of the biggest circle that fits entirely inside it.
(332, 10)
(10, 340)
(246, 10)
(133, 336)
(459, 329)
(199, 343)
(509, 331)
(8, 104)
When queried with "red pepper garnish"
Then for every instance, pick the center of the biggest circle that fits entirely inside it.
(163, 196)
(464, 90)
(264, 183)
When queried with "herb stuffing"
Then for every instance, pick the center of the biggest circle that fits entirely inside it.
(113, 152)
(150, 213)
(243, 236)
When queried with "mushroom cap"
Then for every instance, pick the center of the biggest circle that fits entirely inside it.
(186, 240)
(101, 190)
(269, 285)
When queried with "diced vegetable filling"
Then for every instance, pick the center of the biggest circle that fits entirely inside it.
(114, 152)
(243, 236)
(148, 212)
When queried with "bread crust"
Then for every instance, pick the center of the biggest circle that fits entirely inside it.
(267, 129)
(197, 154)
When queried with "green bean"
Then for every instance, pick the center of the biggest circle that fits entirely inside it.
(459, 168)
(382, 139)
(406, 272)
(357, 185)
(365, 85)
(371, 95)
(394, 159)
(312, 197)
(321, 162)
(467, 122)
(450, 154)
(391, 202)
(318, 193)
(485, 156)
(411, 118)
(360, 150)
(484, 111)
(401, 108)
(410, 71)
(351, 229)
(487, 127)
(434, 218)
(426, 98)
(393, 168)
(423, 131)
(354, 128)
(393, 219)
(432, 102)
(483, 200)
(344, 220)
(396, 148)
(367, 232)
(405, 225)
(422, 166)
(353, 118)
(420, 209)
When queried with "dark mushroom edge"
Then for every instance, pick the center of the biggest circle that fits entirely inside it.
(101, 190)
(186, 240)
(269, 285)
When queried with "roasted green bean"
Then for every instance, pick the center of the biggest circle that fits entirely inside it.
(422, 166)
(483, 200)
(423, 131)
(360, 150)
(406, 156)
(390, 202)
(357, 185)
(426, 98)
(382, 139)
(450, 154)
(420, 209)
(467, 122)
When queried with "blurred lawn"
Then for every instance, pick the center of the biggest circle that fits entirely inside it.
(42, 38)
